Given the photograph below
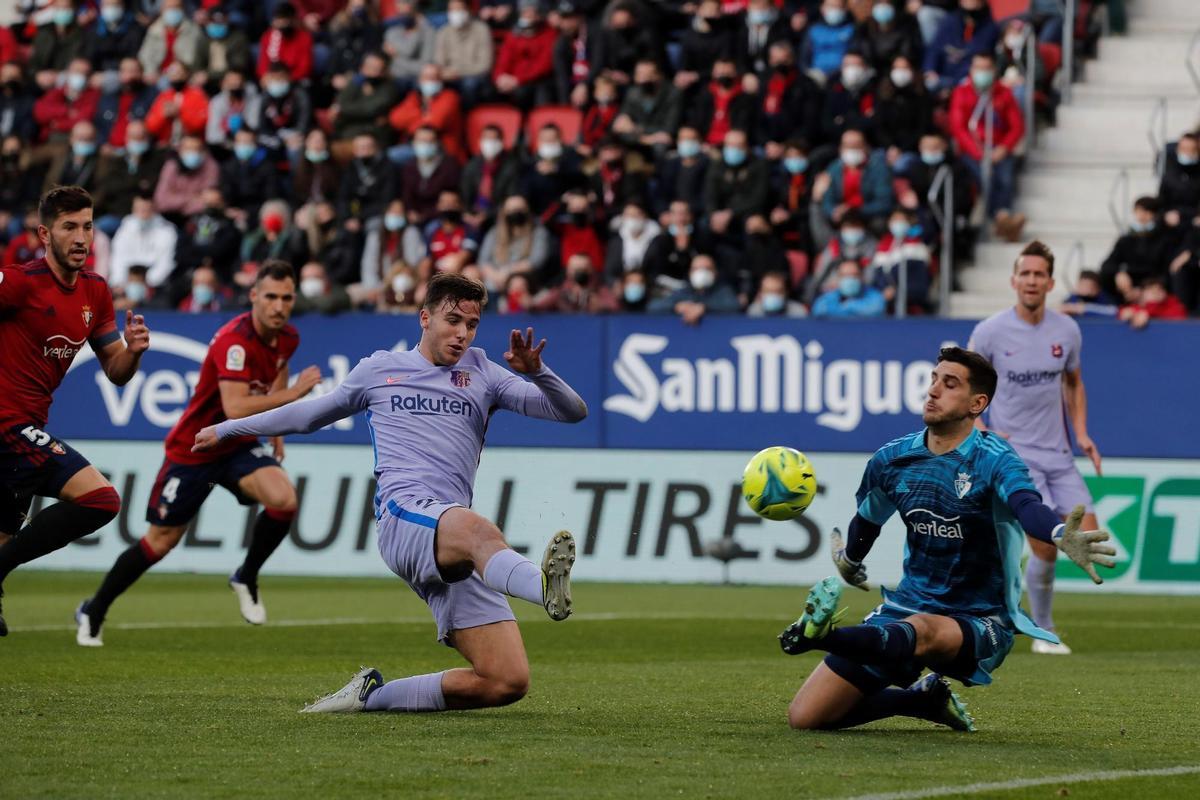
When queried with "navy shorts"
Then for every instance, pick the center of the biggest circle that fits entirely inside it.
(180, 489)
(32, 461)
(986, 642)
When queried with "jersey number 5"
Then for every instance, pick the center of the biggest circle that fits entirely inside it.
(38, 437)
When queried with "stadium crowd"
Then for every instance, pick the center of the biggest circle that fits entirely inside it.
(705, 156)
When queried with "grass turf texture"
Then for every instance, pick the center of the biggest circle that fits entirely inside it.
(649, 691)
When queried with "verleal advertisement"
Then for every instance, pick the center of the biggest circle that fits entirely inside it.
(639, 515)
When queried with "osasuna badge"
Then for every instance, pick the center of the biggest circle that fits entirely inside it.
(87, 315)
(962, 485)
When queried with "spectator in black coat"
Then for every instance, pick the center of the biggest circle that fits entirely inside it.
(209, 239)
(16, 104)
(790, 104)
(737, 188)
(1179, 192)
(624, 41)
(683, 175)
(727, 102)
(1144, 252)
(126, 174)
(489, 178)
(575, 55)
(368, 184)
(670, 254)
(904, 110)
(891, 32)
(248, 177)
(555, 169)
(850, 99)
(710, 37)
(113, 36)
(762, 26)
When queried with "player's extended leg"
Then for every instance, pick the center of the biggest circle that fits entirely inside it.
(271, 487)
(87, 502)
(467, 541)
(129, 566)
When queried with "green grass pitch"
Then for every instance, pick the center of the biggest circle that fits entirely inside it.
(649, 691)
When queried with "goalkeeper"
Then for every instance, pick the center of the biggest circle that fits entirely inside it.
(964, 496)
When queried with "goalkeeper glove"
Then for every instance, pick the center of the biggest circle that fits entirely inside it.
(852, 572)
(1084, 547)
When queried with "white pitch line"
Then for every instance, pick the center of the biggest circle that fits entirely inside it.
(1025, 783)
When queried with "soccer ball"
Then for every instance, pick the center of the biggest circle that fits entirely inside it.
(779, 483)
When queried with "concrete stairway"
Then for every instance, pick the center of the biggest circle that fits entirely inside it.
(1068, 178)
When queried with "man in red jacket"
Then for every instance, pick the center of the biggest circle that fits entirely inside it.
(57, 111)
(525, 63)
(431, 104)
(1008, 129)
(286, 41)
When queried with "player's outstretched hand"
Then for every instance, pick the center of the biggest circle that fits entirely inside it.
(1085, 548)
(206, 439)
(852, 573)
(137, 335)
(306, 380)
(522, 356)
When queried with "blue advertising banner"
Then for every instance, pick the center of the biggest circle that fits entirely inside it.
(654, 383)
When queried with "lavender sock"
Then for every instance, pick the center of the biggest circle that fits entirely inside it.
(511, 573)
(1039, 581)
(418, 693)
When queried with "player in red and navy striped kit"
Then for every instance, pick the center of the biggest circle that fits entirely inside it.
(48, 309)
(244, 372)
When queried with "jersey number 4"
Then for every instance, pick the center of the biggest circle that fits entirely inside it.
(169, 489)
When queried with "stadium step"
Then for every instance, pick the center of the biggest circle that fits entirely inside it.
(1068, 177)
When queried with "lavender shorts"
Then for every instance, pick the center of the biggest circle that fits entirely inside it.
(1057, 479)
(406, 543)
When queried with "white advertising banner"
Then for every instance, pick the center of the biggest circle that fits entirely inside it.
(647, 516)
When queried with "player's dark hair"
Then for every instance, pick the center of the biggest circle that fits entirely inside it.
(62, 200)
(275, 269)
(1039, 249)
(452, 288)
(981, 375)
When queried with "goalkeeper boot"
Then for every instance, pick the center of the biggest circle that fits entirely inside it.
(820, 616)
(1044, 648)
(556, 575)
(351, 697)
(946, 707)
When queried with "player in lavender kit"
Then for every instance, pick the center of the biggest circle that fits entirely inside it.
(1036, 353)
(428, 410)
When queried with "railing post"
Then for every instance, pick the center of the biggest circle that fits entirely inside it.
(1068, 51)
(983, 108)
(1119, 215)
(901, 303)
(1030, 88)
(948, 211)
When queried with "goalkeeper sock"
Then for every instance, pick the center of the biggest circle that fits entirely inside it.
(1039, 581)
(870, 644)
(418, 693)
(883, 704)
(511, 573)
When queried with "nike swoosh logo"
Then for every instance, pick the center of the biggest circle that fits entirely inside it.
(395, 380)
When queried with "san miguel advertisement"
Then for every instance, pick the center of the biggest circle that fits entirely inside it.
(650, 481)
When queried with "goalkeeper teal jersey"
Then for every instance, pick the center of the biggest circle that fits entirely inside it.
(963, 548)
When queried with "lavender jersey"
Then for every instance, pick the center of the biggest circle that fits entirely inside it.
(1030, 360)
(427, 422)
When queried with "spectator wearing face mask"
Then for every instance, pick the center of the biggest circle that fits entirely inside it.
(708, 38)
(59, 109)
(851, 242)
(275, 236)
(76, 166)
(429, 173)
(625, 40)
(56, 44)
(652, 110)
(226, 48)
(850, 101)
(737, 187)
(123, 174)
(209, 237)
(790, 103)
(315, 177)
(1088, 299)
(582, 291)
(172, 38)
(451, 245)
(889, 33)
(518, 242)
(669, 256)
(432, 105)
(318, 294)
(1012, 61)
(184, 178)
(903, 114)
(554, 172)
(962, 34)
(354, 31)
(683, 175)
(363, 105)
(600, 115)
(633, 294)
(705, 293)
(131, 99)
(773, 301)
(1143, 252)
(368, 181)
(136, 293)
(634, 232)
(410, 42)
(238, 105)
(851, 298)
(902, 250)
(762, 26)
(577, 229)
(250, 177)
(207, 294)
(858, 179)
(340, 250)
(827, 38)
(286, 42)
(618, 178)
(401, 293)
(1153, 302)
(723, 105)
(463, 50)
(791, 192)
(146, 238)
(1179, 192)
(286, 111)
(933, 152)
(489, 177)
(524, 70)
(574, 54)
(180, 109)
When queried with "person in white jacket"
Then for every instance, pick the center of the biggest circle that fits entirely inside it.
(144, 237)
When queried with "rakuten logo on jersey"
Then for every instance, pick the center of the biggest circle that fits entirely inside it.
(1033, 377)
(60, 347)
(924, 522)
(421, 406)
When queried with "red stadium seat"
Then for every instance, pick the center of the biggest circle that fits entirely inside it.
(568, 119)
(1003, 9)
(506, 118)
(1051, 56)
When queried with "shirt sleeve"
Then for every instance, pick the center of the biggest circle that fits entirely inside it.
(1075, 354)
(14, 286)
(104, 326)
(1010, 476)
(228, 353)
(874, 503)
(979, 342)
(543, 396)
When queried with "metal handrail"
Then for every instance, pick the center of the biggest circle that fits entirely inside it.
(1156, 133)
(983, 108)
(944, 179)
(1068, 51)
(1030, 45)
(1074, 259)
(1119, 214)
(1191, 63)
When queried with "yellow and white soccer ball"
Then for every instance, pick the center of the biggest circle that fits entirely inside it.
(779, 483)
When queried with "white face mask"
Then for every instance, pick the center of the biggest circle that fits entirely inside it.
(402, 284)
(632, 227)
(490, 148)
(701, 279)
(549, 151)
(1013, 41)
(902, 77)
(457, 18)
(853, 76)
(312, 287)
(854, 157)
